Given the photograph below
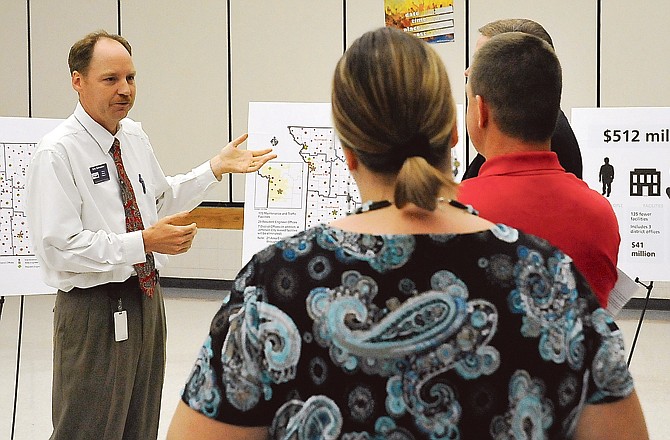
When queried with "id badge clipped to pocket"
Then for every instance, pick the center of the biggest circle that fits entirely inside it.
(120, 324)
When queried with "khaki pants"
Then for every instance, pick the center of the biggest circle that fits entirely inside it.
(102, 389)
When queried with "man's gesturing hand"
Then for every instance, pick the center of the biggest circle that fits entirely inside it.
(170, 235)
(232, 159)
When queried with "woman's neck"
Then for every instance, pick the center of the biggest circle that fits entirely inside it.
(386, 218)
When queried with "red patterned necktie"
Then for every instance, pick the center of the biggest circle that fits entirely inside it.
(146, 272)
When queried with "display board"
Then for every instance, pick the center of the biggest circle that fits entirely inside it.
(308, 183)
(626, 156)
(19, 269)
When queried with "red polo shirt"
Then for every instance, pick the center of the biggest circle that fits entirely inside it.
(533, 193)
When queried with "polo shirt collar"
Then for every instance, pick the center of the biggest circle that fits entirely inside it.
(531, 161)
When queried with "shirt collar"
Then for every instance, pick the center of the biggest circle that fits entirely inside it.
(102, 137)
(531, 161)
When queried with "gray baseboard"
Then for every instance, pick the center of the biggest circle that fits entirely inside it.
(195, 288)
(660, 304)
(196, 283)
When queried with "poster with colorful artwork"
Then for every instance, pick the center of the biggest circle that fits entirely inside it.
(431, 21)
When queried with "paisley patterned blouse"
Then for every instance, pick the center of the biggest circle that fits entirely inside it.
(332, 334)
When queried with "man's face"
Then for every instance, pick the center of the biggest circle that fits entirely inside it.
(107, 90)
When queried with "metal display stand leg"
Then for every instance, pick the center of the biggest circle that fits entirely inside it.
(18, 360)
(644, 309)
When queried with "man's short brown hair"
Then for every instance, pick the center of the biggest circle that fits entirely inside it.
(519, 75)
(81, 52)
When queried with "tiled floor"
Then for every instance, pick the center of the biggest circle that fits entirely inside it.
(189, 313)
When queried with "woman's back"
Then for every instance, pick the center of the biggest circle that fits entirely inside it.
(409, 336)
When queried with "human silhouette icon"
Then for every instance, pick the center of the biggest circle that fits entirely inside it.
(606, 176)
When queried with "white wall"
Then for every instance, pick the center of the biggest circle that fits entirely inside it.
(286, 51)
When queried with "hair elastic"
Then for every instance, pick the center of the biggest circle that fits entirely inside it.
(418, 146)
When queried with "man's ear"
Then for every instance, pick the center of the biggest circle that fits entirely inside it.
(350, 157)
(453, 138)
(76, 81)
(482, 112)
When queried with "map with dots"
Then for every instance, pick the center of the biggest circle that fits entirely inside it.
(306, 185)
(19, 268)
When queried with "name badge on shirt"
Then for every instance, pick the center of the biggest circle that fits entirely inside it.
(99, 173)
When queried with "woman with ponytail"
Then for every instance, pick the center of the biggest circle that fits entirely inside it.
(411, 318)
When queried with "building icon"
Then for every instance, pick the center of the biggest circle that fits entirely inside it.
(641, 178)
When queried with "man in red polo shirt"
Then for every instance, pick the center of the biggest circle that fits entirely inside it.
(514, 93)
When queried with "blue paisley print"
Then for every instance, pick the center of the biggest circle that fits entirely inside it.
(432, 332)
(530, 414)
(547, 297)
(610, 372)
(382, 252)
(263, 348)
(202, 395)
(505, 233)
(331, 334)
(295, 247)
(317, 418)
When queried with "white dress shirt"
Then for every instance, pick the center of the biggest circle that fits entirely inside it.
(75, 213)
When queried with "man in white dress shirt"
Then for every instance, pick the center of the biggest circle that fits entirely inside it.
(109, 336)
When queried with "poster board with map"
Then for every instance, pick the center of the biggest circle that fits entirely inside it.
(308, 183)
(19, 268)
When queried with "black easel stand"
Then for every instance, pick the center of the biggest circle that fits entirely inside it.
(644, 309)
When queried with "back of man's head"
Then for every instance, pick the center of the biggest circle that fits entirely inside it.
(519, 76)
(524, 25)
